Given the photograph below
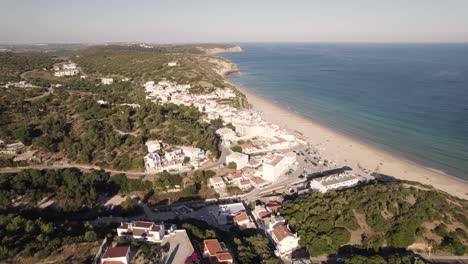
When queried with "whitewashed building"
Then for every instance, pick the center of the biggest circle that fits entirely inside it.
(217, 182)
(274, 166)
(153, 145)
(116, 255)
(340, 181)
(286, 242)
(107, 81)
(145, 231)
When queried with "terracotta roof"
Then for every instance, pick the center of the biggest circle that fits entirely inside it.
(273, 160)
(258, 180)
(236, 175)
(274, 207)
(281, 232)
(244, 182)
(143, 224)
(139, 232)
(246, 146)
(116, 252)
(112, 262)
(224, 256)
(212, 246)
(241, 217)
(123, 226)
(156, 228)
(263, 214)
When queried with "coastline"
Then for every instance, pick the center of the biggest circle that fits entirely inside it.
(348, 151)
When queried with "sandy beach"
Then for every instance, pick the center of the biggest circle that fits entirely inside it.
(347, 151)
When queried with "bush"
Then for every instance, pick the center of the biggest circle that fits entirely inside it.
(236, 148)
(232, 165)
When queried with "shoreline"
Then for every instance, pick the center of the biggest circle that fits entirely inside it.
(347, 150)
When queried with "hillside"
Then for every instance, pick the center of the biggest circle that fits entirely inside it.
(67, 122)
(381, 215)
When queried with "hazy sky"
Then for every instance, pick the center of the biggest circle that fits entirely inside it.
(26, 21)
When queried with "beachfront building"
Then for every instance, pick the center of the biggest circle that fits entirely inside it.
(239, 158)
(217, 182)
(107, 81)
(216, 252)
(116, 255)
(145, 231)
(285, 241)
(274, 165)
(333, 182)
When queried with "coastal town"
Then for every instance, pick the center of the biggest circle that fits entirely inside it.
(202, 203)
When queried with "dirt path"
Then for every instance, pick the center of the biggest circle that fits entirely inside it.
(82, 167)
(50, 90)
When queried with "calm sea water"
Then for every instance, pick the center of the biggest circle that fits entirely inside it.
(409, 99)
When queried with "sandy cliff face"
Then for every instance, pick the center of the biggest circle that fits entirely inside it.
(222, 50)
(223, 66)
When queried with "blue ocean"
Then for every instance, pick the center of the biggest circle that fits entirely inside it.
(409, 99)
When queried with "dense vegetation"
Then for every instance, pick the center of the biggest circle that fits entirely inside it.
(12, 64)
(34, 236)
(72, 189)
(70, 121)
(391, 215)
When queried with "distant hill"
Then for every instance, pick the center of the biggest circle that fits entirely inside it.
(390, 215)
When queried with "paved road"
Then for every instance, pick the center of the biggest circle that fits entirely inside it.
(222, 158)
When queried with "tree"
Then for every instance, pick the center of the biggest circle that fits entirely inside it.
(236, 148)
(186, 160)
(232, 165)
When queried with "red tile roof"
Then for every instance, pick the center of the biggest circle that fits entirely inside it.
(143, 224)
(123, 226)
(112, 262)
(281, 232)
(224, 256)
(274, 207)
(241, 217)
(116, 252)
(212, 246)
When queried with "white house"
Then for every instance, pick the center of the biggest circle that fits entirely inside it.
(327, 183)
(145, 231)
(107, 80)
(248, 148)
(116, 255)
(274, 166)
(244, 184)
(217, 182)
(286, 242)
(215, 252)
(153, 145)
(172, 64)
(153, 162)
(195, 154)
(243, 221)
(239, 158)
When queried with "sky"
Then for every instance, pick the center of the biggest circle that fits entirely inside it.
(180, 21)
